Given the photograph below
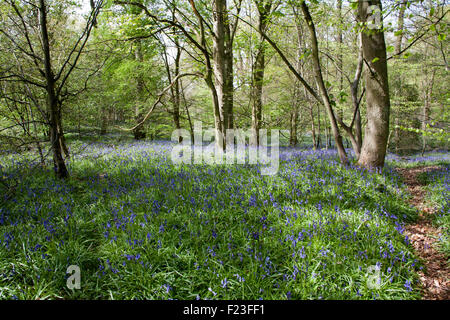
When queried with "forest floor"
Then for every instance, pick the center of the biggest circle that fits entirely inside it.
(435, 279)
(139, 226)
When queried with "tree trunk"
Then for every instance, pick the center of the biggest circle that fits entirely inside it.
(358, 132)
(176, 92)
(258, 72)
(188, 115)
(229, 71)
(319, 137)
(104, 121)
(53, 105)
(220, 63)
(400, 25)
(175, 89)
(356, 138)
(396, 134)
(38, 144)
(293, 126)
(340, 59)
(373, 150)
(62, 139)
(427, 107)
(323, 90)
(313, 128)
(139, 132)
(257, 87)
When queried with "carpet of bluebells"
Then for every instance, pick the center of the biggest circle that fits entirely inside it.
(140, 227)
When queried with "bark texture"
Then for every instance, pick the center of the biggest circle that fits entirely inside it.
(373, 150)
(53, 105)
(258, 71)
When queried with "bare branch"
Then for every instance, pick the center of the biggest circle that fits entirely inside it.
(158, 100)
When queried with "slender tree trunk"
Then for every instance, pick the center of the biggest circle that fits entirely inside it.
(38, 144)
(356, 138)
(188, 115)
(258, 72)
(293, 125)
(176, 93)
(426, 108)
(374, 146)
(358, 132)
(313, 128)
(398, 49)
(323, 91)
(175, 89)
(340, 59)
(319, 135)
(400, 26)
(397, 134)
(257, 87)
(218, 51)
(52, 100)
(62, 139)
(139, 132)
(104, 120)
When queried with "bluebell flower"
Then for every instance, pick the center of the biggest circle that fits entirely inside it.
(408, 285)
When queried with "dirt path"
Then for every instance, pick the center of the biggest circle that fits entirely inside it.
(435, 279)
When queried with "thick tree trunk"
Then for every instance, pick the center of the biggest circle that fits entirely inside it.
(53, 105)
(374, 146)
